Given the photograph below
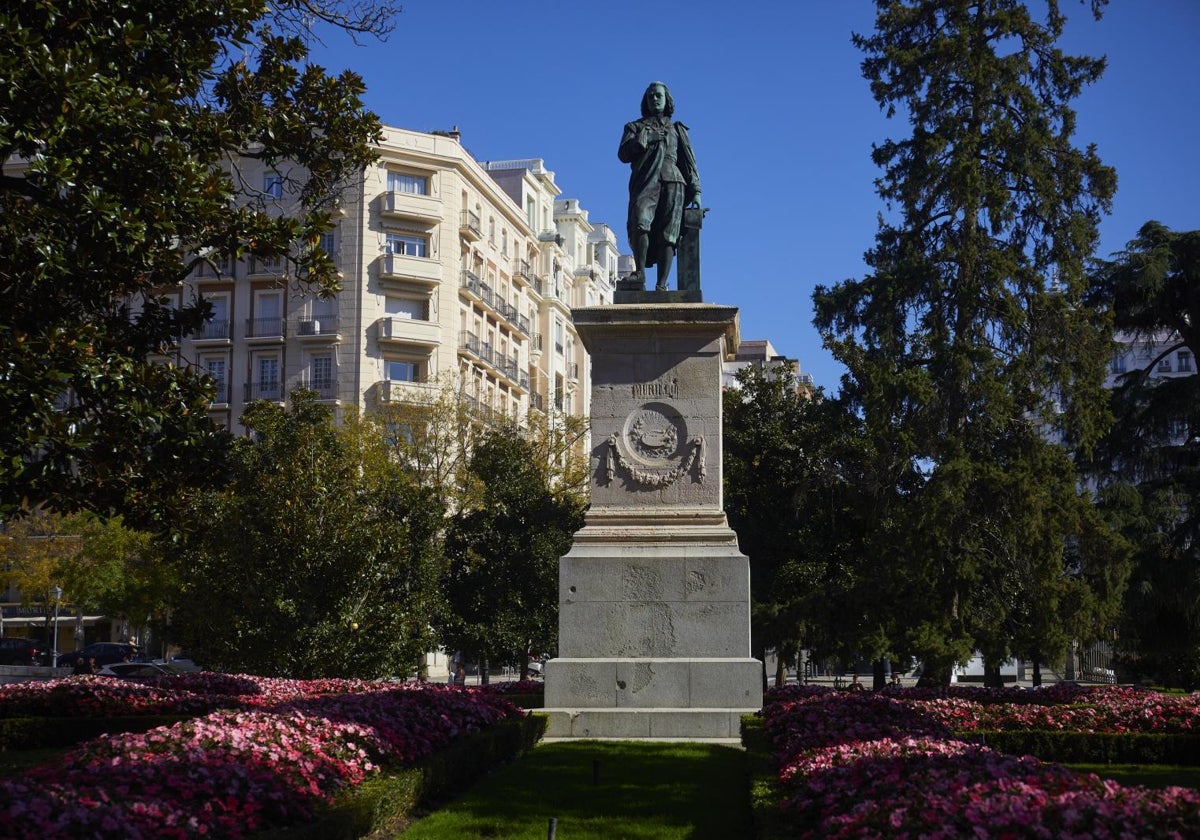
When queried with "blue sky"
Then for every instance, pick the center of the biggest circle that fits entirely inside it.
(781, 121)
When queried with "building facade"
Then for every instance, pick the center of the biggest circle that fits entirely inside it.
(454, 274)
(762, 354)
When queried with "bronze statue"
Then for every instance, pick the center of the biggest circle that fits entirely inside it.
(662, 181)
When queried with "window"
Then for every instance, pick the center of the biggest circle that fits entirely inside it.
(273, 184)
(328, 244)
(558, 335)
(402, 371)
(411, 308)
(402, 182)
(1164, 364)
(1185, 361)
(217, 371)
(1118, 362)
(218, 325)
(322, 371)
(266, 383)
(268, 315)
(408, 244)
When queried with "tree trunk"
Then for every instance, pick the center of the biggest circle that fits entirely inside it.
(935, 675)
(1037, 672)
(781, 671)
(992, 677)
(879, 675)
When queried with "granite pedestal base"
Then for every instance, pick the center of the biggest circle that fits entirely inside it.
(654, 595)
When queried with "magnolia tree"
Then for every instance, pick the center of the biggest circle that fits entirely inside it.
(118, 183)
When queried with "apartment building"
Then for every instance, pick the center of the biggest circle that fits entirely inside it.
(454, 273)
(762, 354)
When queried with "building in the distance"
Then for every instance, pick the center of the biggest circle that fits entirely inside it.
(762, 354)
(453, 273)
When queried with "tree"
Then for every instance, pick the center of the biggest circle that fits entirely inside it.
(968, 344)
(101, 565)
(120, 137)
(501, 581)
(1150, 462)
(790, 493)
(318, 559)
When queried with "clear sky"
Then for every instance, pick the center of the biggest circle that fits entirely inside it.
(781, 121)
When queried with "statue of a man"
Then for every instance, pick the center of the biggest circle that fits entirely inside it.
(663, 180)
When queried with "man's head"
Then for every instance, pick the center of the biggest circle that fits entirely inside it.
(657, 100)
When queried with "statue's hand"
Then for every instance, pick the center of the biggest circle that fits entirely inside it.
(695, 201)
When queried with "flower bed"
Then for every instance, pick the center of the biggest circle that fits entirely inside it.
(240, 769)
(888, 765)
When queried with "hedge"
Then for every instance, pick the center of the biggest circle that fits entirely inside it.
(384, 805)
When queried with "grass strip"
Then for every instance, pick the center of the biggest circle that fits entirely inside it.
(769, 820)
(604, 789)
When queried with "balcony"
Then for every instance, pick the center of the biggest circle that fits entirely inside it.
(535, 343)
(220, 270)
(391, 391)
(421, 270)
(325, 387)
(260, 267)
(573, 371)
(395, 330)
(266, 329)
(470, 226)
(213, 332)
(469, 342)
(482, 291)
(272, 391)
(402, 205)
(315, 330)
(507, 310)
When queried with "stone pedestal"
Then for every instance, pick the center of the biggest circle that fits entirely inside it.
(654, 596)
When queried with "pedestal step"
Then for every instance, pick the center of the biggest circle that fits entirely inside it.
(646, 683)
(684, 724)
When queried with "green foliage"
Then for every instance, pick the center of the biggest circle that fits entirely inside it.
(385, 804)
(101, 565)
(30, 733)
(793, 494)
(503, 547)
(117, 183)
(1150, 463)
(1099, 747)
(316, 560)
(969, 343)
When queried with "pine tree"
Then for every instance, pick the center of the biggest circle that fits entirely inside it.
(1150, 462)
(967, 345)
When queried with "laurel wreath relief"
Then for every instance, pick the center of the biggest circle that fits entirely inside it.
(650, 478)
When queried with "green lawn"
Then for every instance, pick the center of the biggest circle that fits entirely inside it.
(615, 790)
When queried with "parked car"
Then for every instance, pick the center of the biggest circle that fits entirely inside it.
(105, 653)
(183, 662)
(15, 650)
(134, 670)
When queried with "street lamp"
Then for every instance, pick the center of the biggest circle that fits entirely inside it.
(56, 594)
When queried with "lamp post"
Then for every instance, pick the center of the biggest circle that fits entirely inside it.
(56, 594)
